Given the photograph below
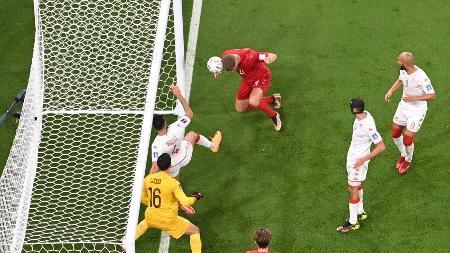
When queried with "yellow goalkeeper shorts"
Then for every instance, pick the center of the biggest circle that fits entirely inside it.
(176, 228)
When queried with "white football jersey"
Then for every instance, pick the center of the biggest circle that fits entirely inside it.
(171, 142)
(364, 134)
(416, 84)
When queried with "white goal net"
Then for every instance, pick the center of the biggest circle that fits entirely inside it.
(74, 175)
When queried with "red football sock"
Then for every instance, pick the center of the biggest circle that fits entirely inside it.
(269, 99)
(197, 138)
(264, 106)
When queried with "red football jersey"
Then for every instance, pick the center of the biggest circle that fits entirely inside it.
(254, 251)
(251, 66)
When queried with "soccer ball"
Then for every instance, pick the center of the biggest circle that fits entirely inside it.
(215, 64)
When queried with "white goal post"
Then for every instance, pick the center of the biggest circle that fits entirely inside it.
(100, 70)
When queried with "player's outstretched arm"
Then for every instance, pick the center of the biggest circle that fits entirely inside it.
(177, 92)
(182, 198)
(393, 89)
(380, 147)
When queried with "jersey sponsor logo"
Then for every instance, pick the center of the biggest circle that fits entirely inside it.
(155, 181)
(375, 136)
(155, 154)
(429, 87)
(256, 83)
(183, 120)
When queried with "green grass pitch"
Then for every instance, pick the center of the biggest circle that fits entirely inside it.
(294, 182)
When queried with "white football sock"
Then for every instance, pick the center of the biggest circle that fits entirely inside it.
(401, 147)
(360, 204)
(409, 152)
(203, 141)
(353, 212)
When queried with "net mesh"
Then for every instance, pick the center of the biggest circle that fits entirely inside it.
(17, 178)
(88, 115)
(97, 54)
(165, 100)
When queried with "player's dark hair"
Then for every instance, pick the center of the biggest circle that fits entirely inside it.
(164, 161)
(262, 237)
(228, 62)
(158, 122)
(356, 105)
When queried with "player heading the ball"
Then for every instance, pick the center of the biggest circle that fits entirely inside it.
(256, 80)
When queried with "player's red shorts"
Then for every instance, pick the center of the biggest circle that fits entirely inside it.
(247, 86)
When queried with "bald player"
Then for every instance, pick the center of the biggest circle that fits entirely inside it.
(411, 111)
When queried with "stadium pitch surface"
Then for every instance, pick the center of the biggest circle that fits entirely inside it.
(294, 182)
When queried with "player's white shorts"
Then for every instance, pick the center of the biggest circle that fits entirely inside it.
(182, 158)
(410, 117)
(356, 175)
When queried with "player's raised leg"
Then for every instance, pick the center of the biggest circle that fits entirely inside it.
(262, 103)
(242, 105)
(213, 145)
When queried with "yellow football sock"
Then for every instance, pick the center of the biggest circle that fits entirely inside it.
(141, 228)
(196, 243)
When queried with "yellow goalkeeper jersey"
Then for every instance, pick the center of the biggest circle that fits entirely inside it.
(161, 194)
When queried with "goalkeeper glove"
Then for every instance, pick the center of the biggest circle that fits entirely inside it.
(189, 210)
(197, 195)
